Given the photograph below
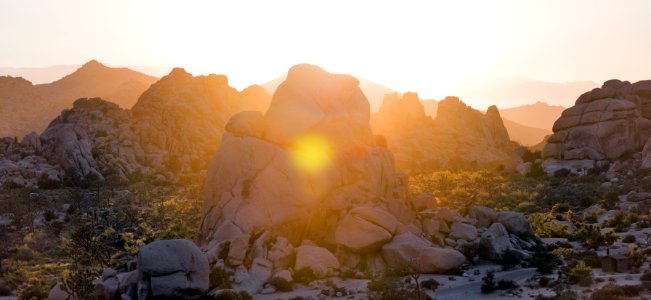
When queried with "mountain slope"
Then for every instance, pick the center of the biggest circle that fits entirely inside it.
(374, 91)
(539, 115)
(25, 107)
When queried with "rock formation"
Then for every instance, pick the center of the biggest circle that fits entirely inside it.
(459, 135)
(263, 205)
(606, 124)
(172, 131)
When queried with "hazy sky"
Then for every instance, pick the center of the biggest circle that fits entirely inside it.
(423, 46)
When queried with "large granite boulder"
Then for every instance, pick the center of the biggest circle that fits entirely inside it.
(606, 123)
(173, 269)
(366, 229)
(494, 242)
(317, 259)
(516, 223)
(261, 182)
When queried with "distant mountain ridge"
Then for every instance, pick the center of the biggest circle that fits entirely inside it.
(25, 107)
(539, 115)
(520, 90)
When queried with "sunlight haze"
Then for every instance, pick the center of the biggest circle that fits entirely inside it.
(431, 47)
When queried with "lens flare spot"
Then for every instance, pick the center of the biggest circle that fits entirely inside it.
(312, 153)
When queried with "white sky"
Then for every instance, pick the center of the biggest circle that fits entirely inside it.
(423, 46)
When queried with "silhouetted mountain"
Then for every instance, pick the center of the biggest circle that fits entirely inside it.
(373, 91)
(27, 107)
(538, 115)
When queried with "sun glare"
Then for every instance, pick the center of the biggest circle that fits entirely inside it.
(311, 153)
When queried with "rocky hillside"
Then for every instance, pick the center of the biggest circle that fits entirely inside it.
(172, 131)
(606, 124)
(26, 107)
(458, 135)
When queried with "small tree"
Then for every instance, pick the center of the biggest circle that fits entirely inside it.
(488, 283)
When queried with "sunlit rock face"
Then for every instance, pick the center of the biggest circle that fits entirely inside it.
(460, 135)
(308, 173)
(607, 123)
(180, 120)
(296, 170)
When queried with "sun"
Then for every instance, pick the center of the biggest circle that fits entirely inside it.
(311, 153)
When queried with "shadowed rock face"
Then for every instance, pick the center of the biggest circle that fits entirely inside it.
(606, 123)
(459, 134)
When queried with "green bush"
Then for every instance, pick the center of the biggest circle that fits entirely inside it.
(281, 284)
(488, 283)
(629, 238)
(220, 278)
(581, 275)
(305, 276)
(509, 259)
(233, 295)
(506, 284)
(430, 284)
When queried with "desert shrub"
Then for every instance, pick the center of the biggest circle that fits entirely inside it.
(562, 173)
(544, 260)
(281, 284)
(220, 278)
(488, 283)
(543, 281)
(592, 238)
(610, 200)
(49, 215)
(390, 287)
(470, 251)
(430, 284)
(530, 156)
(560, 295)
(304, 275)
(233, 295)
(613, 291)
(506, 284)
(622, 220)
(629, 238)
(509, 259)
(591, 259)
(536, 171)
(580, 274)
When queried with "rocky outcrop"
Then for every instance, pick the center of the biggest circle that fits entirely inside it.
(173, 130)
(180, 119)
(308, 172)
(165, 269)
(458, 136)
(605, 124)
